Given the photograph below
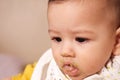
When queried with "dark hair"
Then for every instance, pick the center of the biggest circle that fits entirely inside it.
(51, 0)
(57, 0)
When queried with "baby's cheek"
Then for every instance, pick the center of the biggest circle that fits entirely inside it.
(91, 67)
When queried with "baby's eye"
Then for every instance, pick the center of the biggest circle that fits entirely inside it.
(81, 39)
(57, 39)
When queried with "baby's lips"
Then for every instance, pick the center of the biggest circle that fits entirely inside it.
(70, 69)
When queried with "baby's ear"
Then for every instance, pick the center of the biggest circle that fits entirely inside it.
(116, 50)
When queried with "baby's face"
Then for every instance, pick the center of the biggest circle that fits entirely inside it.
(82, 37)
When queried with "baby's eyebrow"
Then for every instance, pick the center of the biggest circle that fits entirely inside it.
(54, 31)
(83, 31)
(73, 31)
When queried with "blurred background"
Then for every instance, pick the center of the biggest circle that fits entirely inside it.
(23, 31)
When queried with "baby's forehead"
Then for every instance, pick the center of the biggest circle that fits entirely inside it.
(112, 7)
(82, 5)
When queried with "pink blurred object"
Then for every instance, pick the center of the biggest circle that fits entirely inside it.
(10, 65)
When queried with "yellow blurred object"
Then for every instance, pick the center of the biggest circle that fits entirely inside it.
(26, 75)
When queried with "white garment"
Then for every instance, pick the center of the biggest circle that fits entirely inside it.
(47, 69)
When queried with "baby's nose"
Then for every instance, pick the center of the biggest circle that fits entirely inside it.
(67, 50)
(68, 54)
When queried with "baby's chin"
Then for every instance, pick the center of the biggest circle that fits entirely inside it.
(75, 73)
(79, 77)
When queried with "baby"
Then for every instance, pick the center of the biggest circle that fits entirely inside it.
(85, 36)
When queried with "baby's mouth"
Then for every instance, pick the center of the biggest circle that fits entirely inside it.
(70, 69)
